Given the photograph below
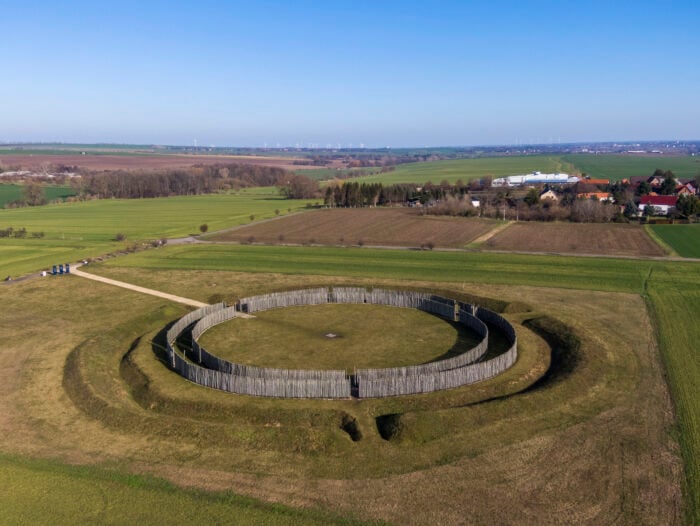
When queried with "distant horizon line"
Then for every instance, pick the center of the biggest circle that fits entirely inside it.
(347, 146)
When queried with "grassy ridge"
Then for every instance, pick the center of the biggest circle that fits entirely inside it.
(684, 239)
(45, 492)
(616, 167)
(468, 169)
(78, 230)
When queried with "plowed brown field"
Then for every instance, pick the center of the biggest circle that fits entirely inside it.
(368, 226)
(575, 238)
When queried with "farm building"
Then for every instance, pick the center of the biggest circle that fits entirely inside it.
(534, 179)
(662, 203)
(548, 195)
(600, 196)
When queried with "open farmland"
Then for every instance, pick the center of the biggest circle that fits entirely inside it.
(79, 230)
(468, 169)
(135, 161)
(683, 239)
(575, 238)
(577, 428)
(617, 167)
(352, 226)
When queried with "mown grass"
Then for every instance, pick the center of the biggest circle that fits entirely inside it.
(617, 167)
(13, 192)
(47, 492)
(556, 272)
(78, 230)
(363, 336)
(674, 298)
(468, 169)
(684, 239)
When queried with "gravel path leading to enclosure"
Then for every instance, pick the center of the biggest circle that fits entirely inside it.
(136, 288)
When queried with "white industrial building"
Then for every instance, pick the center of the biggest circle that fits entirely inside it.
(535, 178)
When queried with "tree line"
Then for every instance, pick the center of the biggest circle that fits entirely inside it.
(196, 181)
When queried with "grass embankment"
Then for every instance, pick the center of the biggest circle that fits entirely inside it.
(468, 169)
(46, 492)
(79, 230)
(683, 239)
(617, 167)
(671, 286)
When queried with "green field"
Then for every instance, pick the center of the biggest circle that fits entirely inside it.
(614, 167)
(561, 272)
(468, 169)
(45, 492)
(684, 239)
(79, 230)
(617, 167)
(13, 192)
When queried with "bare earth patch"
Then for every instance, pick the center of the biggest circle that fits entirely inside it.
(575, 238)
(364, 226)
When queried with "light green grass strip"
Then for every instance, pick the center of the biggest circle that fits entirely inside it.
(44, 492)
(664, 246)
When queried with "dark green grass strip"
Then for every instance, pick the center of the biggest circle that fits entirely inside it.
(684, 239)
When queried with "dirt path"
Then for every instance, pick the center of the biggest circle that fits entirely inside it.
(136, 288)
(488, 235)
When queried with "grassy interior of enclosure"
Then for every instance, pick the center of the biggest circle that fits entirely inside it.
(352, 226)
(575, 238)
(79, 230)
(683, 239)
(83, 384)
(468, 169)
(338, 337)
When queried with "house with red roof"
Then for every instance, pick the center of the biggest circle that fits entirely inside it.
(663, 204)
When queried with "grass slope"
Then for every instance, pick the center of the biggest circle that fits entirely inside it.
(78, 230)
(616, 167)
(468, 169)
(684, 239)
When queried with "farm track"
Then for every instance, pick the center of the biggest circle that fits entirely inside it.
(136, 288)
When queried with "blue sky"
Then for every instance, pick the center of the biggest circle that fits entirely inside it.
(364, 72)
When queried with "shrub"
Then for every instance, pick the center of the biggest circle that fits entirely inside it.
(203, 228)
(120, 237)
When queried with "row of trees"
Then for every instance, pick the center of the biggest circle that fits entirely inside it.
(196, 181)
